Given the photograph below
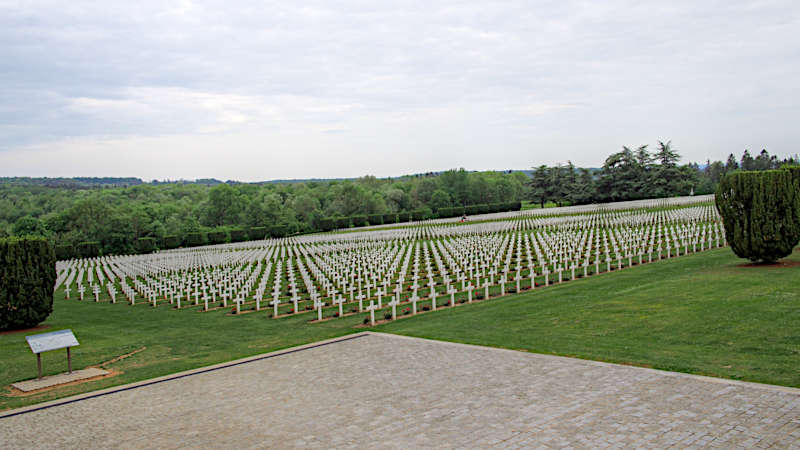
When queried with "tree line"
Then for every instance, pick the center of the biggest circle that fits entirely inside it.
(87, 221)
(120, 220)
(634, 174)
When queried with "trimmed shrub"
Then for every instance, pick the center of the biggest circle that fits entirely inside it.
(278, 231)
(171, 242)
(390, 218)
(257, 233)
(146, 244)
(238, 235)
(194, 239)
(418, 214)
(217, 236)
(342, 222)
(761, 213)
(359, 221)
(27, 277)
(65, 251)
(327, 224)
(89, 249)
(375, 219)
(404, 216)
(472, 210)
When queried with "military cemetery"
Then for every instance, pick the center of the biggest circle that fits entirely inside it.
(422, 264)
(399, 225)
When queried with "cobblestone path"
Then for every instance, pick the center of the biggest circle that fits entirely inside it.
(390, 391)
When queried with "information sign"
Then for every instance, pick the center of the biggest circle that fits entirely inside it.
(51, 341)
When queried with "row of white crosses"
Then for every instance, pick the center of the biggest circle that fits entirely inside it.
(339, 271)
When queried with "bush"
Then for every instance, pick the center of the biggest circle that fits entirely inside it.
(146, 244)
(171, 242)
(89, 249)
(278, 231)
(761, 213)
(217, 236)
(342, 222)
(27, 277)
(238, 235)
(65, 251)
(390, 218)
(327, 224)
(194, 239)
(419, 214)
(359, 221)
(258, 233)
(375, 219)
(404, 217)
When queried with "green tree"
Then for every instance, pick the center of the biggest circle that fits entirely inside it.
(27, 277)
(223, 207)
(440, 199)
(761, 213)
(540, 185)
(29, 226)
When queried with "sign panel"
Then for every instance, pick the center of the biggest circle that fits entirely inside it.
(51, 341)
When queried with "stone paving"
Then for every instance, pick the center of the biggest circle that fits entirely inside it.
(61, 378)
(388, 392)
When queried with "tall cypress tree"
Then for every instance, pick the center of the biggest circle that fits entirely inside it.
(760, 212)
(27, 277)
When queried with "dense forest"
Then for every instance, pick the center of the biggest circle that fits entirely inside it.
(93, 216)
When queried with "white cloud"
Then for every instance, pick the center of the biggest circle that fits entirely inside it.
(401, 87)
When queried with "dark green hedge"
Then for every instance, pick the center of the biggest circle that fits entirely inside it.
(327, 224)
(147, 244)
(65, 252)
(257, 233)
(89, 249)
(278, 231)
(359, 221)
(217, 236)
(194, 239)
(171, 242)
(404, 216)
(761, 213)
(27, 278)
(238, 235)
(390, 218)
(342, 222)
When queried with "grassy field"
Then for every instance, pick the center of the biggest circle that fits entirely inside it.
(701, 314)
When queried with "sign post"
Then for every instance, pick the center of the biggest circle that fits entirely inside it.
(46, 342)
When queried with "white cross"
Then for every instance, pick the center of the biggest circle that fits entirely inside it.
(275, 304)
(360, 298)
(371, 308)
(339, 302)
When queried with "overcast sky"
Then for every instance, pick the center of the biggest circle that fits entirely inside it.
(258, 91)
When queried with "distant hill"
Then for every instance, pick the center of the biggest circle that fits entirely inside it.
(101, 182)
(75, 182)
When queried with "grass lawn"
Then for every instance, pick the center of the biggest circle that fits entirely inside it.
(700, 314)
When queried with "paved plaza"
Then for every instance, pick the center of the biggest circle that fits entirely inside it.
(386, 391)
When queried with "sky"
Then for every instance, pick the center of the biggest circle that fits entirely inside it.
(276, 90)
